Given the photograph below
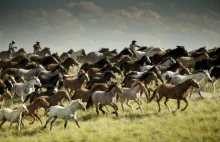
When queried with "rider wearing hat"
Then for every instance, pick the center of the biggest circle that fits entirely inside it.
(37, 47)
(12, 48)
(133, 45)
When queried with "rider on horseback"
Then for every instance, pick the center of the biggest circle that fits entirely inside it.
(12, 48)
(36, 47)
(133, 45)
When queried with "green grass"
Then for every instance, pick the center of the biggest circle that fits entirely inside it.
(199, 122)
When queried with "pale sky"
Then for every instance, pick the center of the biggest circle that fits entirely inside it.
(74, 24)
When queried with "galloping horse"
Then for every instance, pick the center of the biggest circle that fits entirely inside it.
(101, 98)
(66, 113)
(179, 92)
(132, 94)
(6, 54)
(84, 93)
(45, 51)
(24, 89)
(14, 116)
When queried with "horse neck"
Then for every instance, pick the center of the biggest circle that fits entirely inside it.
(197, 76)
(184, 85)
(136, 88)
(112, 92)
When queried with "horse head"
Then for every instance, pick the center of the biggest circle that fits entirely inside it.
(194, 83)
(78, 103)
(22, 108)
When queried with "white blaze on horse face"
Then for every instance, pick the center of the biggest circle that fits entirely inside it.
(38, 82)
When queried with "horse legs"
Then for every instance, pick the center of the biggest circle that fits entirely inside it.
(186, 104)
(178, 105)
(122, 102)
(22, 99)
(3, 121)
(48, 120)
(115, 108)
(96, 107)
(167, 105)
(139, 104)
(36, 115)
(54, 119)
(65, 123)
(129, 105)
(33, 120)
(158, 102)
(100, 108)
(200, 93)
(75, 119)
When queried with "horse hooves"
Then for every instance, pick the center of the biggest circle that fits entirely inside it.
(182, 109)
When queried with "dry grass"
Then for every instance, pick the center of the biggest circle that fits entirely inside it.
(200, 122)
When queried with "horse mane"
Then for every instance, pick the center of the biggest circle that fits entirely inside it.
(98, 85)
(136, 83)
(111, 86)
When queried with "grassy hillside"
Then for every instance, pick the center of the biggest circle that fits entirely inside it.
(200, 122)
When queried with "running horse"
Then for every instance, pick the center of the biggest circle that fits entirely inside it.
(178, 92)
(102, 98)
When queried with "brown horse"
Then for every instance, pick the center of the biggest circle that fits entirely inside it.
(19, 58)
(179, 92)
(75, 83)
(123, 59)
(174, 53)
(57, 98)
(44, 52)
(190, 62)
(84, 93)
(9, 71)
(33, 109)
(66, 64)
(3, 96)
(6, 54)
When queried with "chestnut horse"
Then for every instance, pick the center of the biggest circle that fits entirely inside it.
(84, 93)
(179, 92)
(33, 109)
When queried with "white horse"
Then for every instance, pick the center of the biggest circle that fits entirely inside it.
(166, 63)
(24, 89)
(176, 79)
(27, 74)
(66, 113)
(132, 94)
(14, 116)
(150, 52)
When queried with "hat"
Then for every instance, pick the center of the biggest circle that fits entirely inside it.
(13, 41)
(38, 42)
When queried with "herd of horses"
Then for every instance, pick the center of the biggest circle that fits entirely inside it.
(46, 80)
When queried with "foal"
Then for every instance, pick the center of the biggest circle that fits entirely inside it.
(179, 92)
(66, 113)
(101, 98)
(132, 94)
(33, 109)
(13, 116)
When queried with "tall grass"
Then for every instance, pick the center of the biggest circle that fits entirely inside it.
(199, 122)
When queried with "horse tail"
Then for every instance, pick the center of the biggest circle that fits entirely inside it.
(154, 95)
(89, 103)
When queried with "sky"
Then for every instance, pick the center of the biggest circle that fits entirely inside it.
(76, 24)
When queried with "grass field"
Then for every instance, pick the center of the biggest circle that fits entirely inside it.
(199, 122)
